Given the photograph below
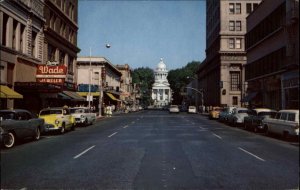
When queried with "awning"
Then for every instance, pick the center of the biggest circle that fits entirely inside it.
(249, 97)
(63, 96)
(112, 97)
(74, 96)
(6, 92)
(86, 93)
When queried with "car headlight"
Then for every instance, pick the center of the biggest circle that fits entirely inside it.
(57, 122)
(82, 116)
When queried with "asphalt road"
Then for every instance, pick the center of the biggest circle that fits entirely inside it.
(152, 150)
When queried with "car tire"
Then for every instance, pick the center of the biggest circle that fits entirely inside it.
(10, 140)
(37, 134)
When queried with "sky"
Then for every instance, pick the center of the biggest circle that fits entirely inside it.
(142, 32)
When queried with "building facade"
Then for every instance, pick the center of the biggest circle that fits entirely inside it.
(126, 86)
(103, 79)
(161, 91)
(272, 69)
(22, 37)
(221, 75)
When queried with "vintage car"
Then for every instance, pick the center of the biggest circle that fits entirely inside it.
(57, 119)
(19, 124)
(224, 114)
(254, 119)
(83, 116)
(285, 123)
(174, 109)
(237, 116)
(192, 109)
(214, 113)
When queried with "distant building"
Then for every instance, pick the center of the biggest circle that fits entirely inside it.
(221, 74)
(161, 92)
(272, 44)
(126, 86)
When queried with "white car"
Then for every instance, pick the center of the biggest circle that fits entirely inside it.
(192, 109)
(83, 115)
(237, 116)
(286, 123)
(174, 109)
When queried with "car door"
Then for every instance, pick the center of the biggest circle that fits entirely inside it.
(281, 123)
(67, 118)
(290, 123)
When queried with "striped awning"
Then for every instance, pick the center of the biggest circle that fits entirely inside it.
(112, 96)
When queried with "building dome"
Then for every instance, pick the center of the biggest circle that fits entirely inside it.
(161, 65)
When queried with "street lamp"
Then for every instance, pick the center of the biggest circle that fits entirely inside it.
(201, 92)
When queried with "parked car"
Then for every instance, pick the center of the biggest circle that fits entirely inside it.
(214, 113)
(224, 114)
(57, 119)
(254, 119)
(192, 109)
(83, 116)
(19, 124)
(285, 123)
(174, 109)
(237, 116)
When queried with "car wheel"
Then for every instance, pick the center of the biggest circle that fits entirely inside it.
(37, 134)
(10, 140)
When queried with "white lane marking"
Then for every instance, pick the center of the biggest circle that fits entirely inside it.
(133, 122)
(125, 126)
(201, 127)
(112, 134)
(217, 135)
(252, 154)
(75, 157)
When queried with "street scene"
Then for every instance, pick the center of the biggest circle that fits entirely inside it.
(149, 94)
(152, 149)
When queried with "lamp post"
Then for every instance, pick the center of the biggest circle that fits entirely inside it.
(201, 92)
(90, 76)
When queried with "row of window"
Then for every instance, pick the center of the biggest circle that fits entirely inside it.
(62, 58)
(69, 10)
(270, 24)
(60, 27)
(236, 8)
(17, 38)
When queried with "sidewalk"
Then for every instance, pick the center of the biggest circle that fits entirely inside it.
(113, 114)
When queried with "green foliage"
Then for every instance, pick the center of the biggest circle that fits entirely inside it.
(178, 79)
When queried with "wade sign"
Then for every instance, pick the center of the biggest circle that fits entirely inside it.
(51, 74)
(51, 70)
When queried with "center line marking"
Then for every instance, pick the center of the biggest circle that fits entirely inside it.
(217, 136)
(252, 154)
(125, 126)
(112, 134)
(75, 157)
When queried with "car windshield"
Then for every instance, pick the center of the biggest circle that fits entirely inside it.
(48, 112)
(7, 115)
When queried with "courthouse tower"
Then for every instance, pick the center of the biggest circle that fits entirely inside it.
(161, 92)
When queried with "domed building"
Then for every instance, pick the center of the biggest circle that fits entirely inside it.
(161, 92)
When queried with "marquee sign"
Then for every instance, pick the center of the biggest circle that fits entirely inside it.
(51, 74)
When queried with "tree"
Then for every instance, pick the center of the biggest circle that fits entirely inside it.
(144, 78)
(178, 79)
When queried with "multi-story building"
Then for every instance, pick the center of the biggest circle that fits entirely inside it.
(22, 38)
(272, 44)
(126, 86)
(221, 74)
(98, 81)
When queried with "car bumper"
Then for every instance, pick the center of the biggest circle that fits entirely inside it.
(50, 127)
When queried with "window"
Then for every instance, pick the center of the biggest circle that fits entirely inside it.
(51, 53)
(291, 117)
(235, 80)
(238, 8)
(4, 29)
(62, 57)
(248, 8)
(278, 116)
(238, 25)
(283, 116)
(231, 8)
(14, 37)
(255, 5)
(238, 42)
(234, 100)
(22, 38)
(70, 65)
(231, 43)
(33, 44)
(231, 25)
